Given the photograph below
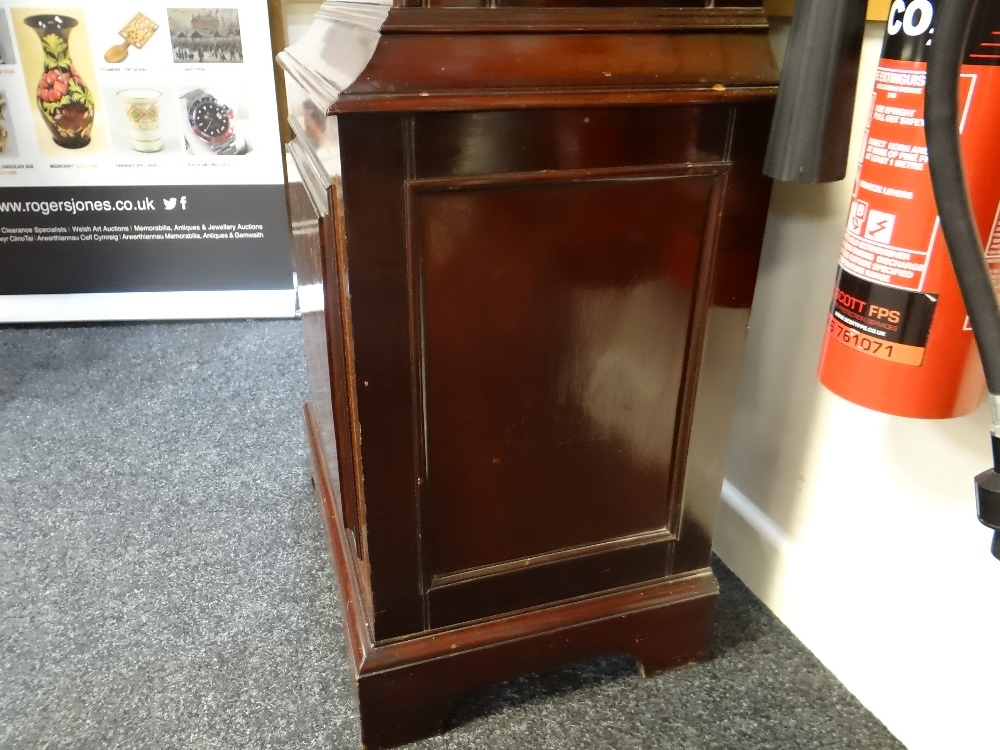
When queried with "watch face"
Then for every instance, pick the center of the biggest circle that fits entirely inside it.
(210, 120)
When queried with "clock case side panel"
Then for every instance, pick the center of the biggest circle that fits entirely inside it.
(375, 166)
(732, 148)
(318, 257)
(740, 240)
(579, 512)
(379, 159)
(386, 307)
(411, 666)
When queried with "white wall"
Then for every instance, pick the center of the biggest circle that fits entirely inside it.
(859, 529)
(298, 17)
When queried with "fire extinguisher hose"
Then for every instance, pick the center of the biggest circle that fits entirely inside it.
(947, 55)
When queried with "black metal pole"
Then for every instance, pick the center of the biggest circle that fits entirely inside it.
(811, 132)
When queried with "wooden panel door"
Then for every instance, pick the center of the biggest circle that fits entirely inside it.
(529, 310)
(556, 319)
(556, 260)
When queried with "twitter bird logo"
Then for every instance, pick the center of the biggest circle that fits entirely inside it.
(169, 203)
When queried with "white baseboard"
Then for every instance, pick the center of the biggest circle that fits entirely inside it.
(67, 308)
(757, 519)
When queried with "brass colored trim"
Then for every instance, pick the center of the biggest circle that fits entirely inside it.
(279, 40)
(878, 10)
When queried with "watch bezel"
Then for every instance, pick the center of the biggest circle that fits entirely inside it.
(206, 100)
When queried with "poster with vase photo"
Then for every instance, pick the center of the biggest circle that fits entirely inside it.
(148, 161)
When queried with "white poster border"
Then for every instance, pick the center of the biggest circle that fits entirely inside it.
(148, 306)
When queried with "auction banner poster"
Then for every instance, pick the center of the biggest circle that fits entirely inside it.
(140, 162)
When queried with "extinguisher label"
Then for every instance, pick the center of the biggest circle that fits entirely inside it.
(982, 48)
(894, 181)
(881, 321)
(993, 252)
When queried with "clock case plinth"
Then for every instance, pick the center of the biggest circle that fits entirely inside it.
(526, 240)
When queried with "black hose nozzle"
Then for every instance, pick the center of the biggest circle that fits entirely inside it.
(988, 497)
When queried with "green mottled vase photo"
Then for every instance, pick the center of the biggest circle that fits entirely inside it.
(63, 99)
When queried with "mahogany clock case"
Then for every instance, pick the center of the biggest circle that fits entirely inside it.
(526, 240)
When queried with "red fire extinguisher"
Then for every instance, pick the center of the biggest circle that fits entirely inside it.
(898, 339)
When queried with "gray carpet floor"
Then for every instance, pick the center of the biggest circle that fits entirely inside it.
(165, 582)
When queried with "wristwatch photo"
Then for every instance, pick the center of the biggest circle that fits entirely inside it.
(210, 126)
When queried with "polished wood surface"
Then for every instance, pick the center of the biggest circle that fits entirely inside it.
(409, 688)
(554, 369)
(363, 58)
(501, 71)
(542, 19)
(629, 5)
(535, 250)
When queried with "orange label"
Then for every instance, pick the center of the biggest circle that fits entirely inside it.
(873, 347)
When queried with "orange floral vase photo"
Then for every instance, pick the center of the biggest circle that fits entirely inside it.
(63, 99)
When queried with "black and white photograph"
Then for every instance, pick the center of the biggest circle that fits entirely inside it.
(6, 42)
(205, 35)
(8, 146)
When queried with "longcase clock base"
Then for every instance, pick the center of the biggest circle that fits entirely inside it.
(408, 688)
